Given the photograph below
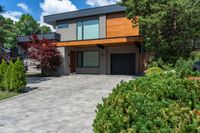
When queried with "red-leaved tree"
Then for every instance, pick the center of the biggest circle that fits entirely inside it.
(45, 52)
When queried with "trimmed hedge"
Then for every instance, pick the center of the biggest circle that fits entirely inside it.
(152, 103)
(12, 76)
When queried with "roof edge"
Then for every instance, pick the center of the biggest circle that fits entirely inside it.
(81, 10)
(51, 19)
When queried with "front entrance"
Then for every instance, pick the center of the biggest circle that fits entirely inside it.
(123, 64)
(72, 61)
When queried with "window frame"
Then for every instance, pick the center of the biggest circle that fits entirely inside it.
(67, 26)
(82, 58)
(82, 28)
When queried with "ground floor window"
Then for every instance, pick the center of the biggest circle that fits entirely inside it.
(88, 59)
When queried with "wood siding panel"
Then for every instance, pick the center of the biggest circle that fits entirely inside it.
(118, 26)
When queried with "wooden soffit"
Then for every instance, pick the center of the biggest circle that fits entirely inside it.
(106, 41)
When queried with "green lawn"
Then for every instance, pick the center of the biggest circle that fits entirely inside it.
(5, 95)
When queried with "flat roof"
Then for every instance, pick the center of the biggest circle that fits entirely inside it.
(51, 19)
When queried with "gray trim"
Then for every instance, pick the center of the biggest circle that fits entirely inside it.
(49, 36)
(51, 19)
(102, 26)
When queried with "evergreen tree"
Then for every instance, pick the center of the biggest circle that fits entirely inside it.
(3, 68)
(169, 27)
(7, 77)
(18, 77)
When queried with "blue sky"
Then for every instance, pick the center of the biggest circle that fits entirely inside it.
(38, 8)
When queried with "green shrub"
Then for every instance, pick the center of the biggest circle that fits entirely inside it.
(154, 70)
(161, 64)
(195, 55)
(7, 77)
(3, 68)
(18, 77)
(151, 104)
(184, 68)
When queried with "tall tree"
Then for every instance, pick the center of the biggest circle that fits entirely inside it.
(1, 23)
(1, 30)
(8, 38)
(44, 29)
(169, 27)
(10, 35)
(27, 25)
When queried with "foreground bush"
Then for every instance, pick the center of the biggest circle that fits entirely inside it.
(151, 104)
(3, 68)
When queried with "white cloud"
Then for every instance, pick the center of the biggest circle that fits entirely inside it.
(55, 6)
(101, 2)
(24, 7)
(14, 15)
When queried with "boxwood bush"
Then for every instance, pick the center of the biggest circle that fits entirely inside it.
(156, 103)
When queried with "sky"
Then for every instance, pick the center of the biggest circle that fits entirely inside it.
(38, 8)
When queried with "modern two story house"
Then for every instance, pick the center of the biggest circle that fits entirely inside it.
(98, 40)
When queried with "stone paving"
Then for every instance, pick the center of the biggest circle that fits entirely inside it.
(59, 105)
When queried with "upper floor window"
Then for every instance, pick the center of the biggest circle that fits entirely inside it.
(62, 26)
(88, 29)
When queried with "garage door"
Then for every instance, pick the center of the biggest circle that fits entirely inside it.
(123, 64)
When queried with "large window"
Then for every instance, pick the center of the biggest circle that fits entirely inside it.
(88, 59)
(88, 29)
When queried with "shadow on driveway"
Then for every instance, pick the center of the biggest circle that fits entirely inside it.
(36, 80)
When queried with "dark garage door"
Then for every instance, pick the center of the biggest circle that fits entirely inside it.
(123, 64)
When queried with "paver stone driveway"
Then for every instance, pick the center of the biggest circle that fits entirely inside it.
(60, 105)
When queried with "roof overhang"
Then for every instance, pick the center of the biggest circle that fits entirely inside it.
(52, 19)
(105, 41)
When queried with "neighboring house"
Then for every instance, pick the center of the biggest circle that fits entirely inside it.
(98, 41)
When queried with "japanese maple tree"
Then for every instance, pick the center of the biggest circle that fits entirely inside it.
(45, 52)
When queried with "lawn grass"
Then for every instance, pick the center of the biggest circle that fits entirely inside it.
(5, 95)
